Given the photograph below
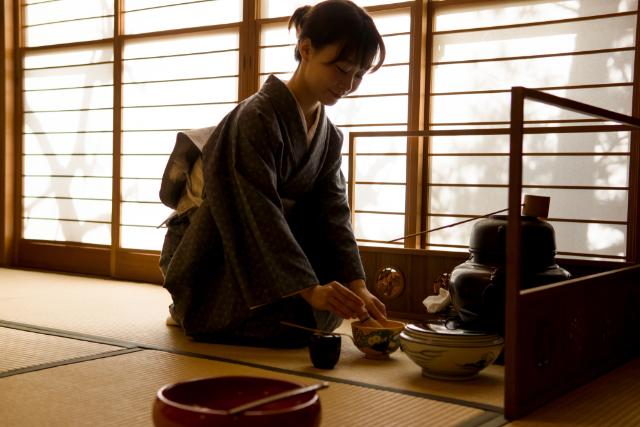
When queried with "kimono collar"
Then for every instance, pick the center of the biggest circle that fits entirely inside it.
(287, 106)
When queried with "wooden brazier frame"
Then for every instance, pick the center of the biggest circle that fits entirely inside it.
(563, 335)
(558, 336)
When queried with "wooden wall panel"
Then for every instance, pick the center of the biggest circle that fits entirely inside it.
(67, 257)
(419, 268)
(572, 332)
(137, 266)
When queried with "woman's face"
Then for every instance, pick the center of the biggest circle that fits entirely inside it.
(326, 80)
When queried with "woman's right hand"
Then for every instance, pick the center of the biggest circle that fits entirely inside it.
(336, 298)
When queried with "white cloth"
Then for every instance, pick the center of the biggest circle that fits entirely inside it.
(437, 303)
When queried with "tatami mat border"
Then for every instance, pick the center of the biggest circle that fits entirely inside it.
(70, 361)
(493, 416)
(68, 334)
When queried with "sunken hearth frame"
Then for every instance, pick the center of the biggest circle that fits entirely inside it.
(558, 336)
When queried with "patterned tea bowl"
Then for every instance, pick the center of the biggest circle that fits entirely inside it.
(377, 343)
(450, 357)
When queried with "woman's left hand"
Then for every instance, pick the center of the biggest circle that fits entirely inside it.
(374, 306)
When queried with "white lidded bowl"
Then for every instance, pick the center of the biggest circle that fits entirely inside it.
(448, 359)
(439, 335)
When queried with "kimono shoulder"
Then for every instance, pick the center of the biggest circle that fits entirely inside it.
(253, 152)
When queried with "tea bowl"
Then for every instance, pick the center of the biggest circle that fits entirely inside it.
(450, 358)
(206, 402)
(377, 343)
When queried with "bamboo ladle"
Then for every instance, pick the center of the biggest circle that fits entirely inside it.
(318, 331)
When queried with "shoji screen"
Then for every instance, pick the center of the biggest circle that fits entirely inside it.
(169, 84)
(583, 50)
(67, 122)
(106, 85)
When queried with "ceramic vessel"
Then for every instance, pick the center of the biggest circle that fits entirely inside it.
(205, 402)
(451, 354)
(377, 343)
(324, 350)
(477, 286)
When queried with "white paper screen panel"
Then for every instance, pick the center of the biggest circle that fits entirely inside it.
(377, 228)
(381, 168)
(495, 107)
(598, 68)
(71, 76)
(595, 184)
(603, 205)
(68, 187)
(491, 14)
(169, 84)
(578, 49)
(69, 209)
(388, 198)
(67, 144)
(566, 170)
(70, 99)
(553, 38)
(66, 231)
(606, 240)
(148, 142)
(140, 190)
(97, 165)
(279, 8)
(393, 145)
(65, 21)
(595, 142)
(157, 15)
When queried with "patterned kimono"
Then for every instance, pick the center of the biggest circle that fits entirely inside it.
(274, 221)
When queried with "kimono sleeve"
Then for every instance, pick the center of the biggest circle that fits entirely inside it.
(241, 184)
(333, 207)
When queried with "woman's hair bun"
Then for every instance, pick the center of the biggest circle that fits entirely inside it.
(298, 17)
(340, 22)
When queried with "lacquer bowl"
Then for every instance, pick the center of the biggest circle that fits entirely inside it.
(377, 343)
(205, 402)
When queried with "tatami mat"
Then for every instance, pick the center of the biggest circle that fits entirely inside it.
(612, 400)
(120, 390)
(136, 313)
(20, 350)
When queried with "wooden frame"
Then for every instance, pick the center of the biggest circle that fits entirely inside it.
(558, 336)
(422, 13)
(562, 335)
(7, 118)
(112, 260)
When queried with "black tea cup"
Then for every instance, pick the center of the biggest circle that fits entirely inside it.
(324, 350)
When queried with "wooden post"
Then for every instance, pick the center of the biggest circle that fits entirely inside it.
(118, 46)
(511, 404)
(7, 137)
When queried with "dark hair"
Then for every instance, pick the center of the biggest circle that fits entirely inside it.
(343, 22)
